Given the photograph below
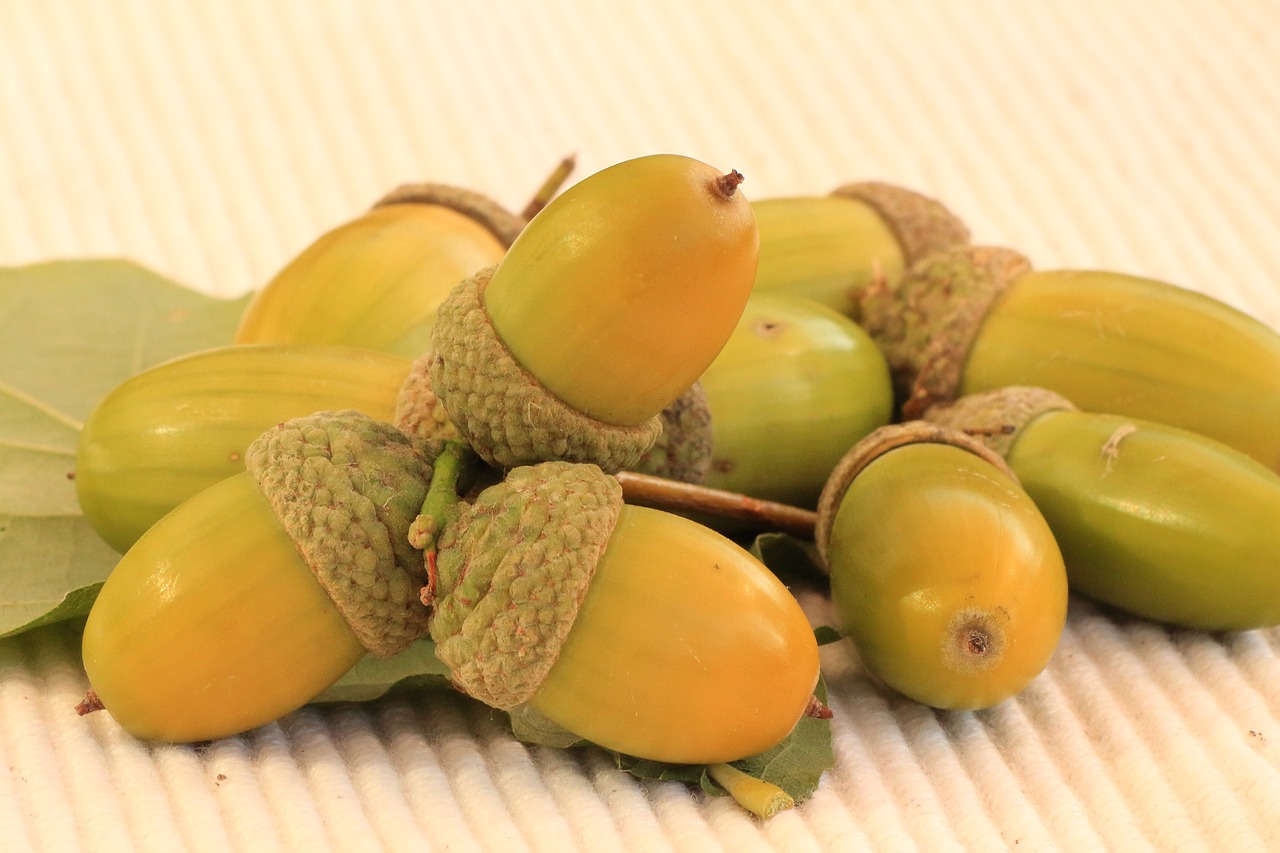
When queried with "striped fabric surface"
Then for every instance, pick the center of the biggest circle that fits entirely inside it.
(212, 140)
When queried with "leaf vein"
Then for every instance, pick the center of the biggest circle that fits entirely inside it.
(40, 406)
(37, 448)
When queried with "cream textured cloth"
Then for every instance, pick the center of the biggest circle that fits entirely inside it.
(212, 140)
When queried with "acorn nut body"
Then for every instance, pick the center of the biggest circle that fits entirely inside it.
(635, 629)
(830, 248)
(164, 434)
(980, 318)
(1158, 521)
(377, 280)
(610, 304)
(943, 572)
(794, 388)
(255, 595)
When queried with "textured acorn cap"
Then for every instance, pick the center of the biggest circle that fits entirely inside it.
(997, 417)
(346, 488)
(419, 413)
(503, 411)
(874, 446)
(922, 225)
(683, 449)
(502, 223)
(513, 569)
(926, 323)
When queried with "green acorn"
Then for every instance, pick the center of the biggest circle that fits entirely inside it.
(252, 597)
(974, 319)
(830, 248)
(793, 389)
(163, 435)
(1155, 520)
(943, 572)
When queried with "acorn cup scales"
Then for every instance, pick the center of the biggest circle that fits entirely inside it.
(608, 306)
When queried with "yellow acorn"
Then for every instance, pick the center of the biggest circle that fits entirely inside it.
(635, 629)
(829, 248)
(943, 572)
(609, 305)
(165, 434)
(255, 595)
(1158, 521)
(979, 318)
(377, 280)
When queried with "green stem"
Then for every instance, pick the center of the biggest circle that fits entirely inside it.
(755, 795)
(549, 188)
(442, 494)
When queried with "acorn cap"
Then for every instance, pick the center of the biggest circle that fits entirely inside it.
(502, 223)
(683, 449)
(926, 323)
(875, 445)
(997, 417)
(922, 225)
(513, 569)
(419, 413)
(346, 487)
(503, 411)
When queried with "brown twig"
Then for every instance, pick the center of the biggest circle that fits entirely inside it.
(549, 187)
(671, 495)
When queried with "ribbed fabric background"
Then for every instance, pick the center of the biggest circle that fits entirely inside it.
(212, 140)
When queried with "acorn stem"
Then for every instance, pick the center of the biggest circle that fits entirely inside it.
(549, 187)
(442, 493)
(647, 490)
(755, 795)
(727, 184)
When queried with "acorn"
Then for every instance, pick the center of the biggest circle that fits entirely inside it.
(165, 434)
(377, 280)
(943, 572)
(609, 305)
(1155, 520)
(794, 388)
(255, 595)
(829, 248)
(975, 319)
(634, 629)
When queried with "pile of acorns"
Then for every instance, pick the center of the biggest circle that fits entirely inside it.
(417, 430)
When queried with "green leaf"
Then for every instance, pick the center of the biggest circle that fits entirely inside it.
(530, 726)
(50, 570)
(825, 635)
(70, 331)
(414, 668)
(789, 558)
(796, 765)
